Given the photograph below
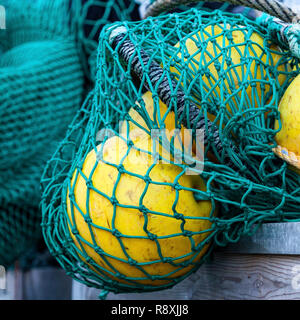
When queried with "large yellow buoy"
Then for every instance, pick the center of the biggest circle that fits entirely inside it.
(164, 205)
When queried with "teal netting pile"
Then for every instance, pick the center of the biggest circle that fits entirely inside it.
(124, 212)
(41, 89)
(43, 84)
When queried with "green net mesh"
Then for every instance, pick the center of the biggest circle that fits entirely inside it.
(90, 16)
(120, 211)
(43, 84)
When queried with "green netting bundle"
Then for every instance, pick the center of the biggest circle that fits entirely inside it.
(171, 153)
(41, 89)
(43, 84)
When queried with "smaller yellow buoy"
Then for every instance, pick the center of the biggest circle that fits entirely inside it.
(288, 138)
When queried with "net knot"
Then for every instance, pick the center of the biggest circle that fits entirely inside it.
(132, 262)
(217, 66)
(74, 231)
(143, 209)
(152, 236)
(187, 233)
(116, 233)
(178, 216)
(88, 220)
(121, 168)
(177, 186)
(89, 260)
(167, 260)
(72, 196)
(147, 179)
(89, 184)
(130, 143)
(114, 201)
(98, 250)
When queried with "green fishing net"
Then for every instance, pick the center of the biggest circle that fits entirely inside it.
(44, 78)
(126, 213)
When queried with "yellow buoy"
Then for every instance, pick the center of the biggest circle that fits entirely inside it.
(131, 192)
(288, 138)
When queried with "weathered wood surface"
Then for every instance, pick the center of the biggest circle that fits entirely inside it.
(45, 284)
(270, 238)
(227, 277)
(249, 277)
(264, 266)
(8, 293)
(37, 284)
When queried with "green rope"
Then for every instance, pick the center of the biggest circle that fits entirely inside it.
(237, 84)
(103, 294)
(271, 7)
(287, 35)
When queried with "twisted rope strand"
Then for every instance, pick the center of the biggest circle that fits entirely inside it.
(271, 7)
(197, 121)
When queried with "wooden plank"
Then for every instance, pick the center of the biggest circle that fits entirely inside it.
(8, 292)
(232, 276)
(227, 277)
(47, 283)
(270, 238)
(280, 239)
(180, 292)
